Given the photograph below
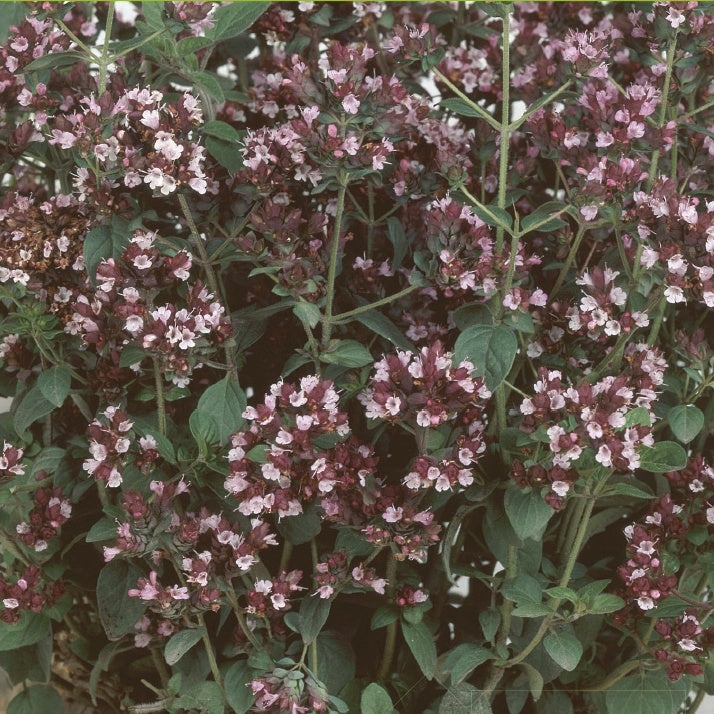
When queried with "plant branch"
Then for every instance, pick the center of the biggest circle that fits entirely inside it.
(334, 256)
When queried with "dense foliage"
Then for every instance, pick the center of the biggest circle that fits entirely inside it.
(359, 356)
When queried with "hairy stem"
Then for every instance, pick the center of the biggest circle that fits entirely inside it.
(391, 638)
(160, 402)
(105, 61)
(341, 317)
(332, 270)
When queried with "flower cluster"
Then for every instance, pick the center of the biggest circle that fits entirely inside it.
(333, 573)
(10, 462)
(468, 261)
(425, 389)
(558, 479)
(595, 415)
(109, 443)
(288, 691)
(28, 593)
(284, 428)
(670, 530)
(50, 511)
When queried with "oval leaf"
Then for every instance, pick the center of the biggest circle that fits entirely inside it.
(491, 348)
(527, 512)
(564, 647)
(117, 611)
(32, 407)
(685, 421)
(375, 700)
(55, 384)
(182, 642)
(421, 644)
(225, 403)
(662, 457)
(314, 611)
(38, 699)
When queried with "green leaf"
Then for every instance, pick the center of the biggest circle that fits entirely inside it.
(639, 416)
(131, 354)
(207, 82)
(605, 603)
(221, 130)
(490, 620)
(204, 696)
(491, 348)
(225, 153)
(418, 638)
(336, 658)
(118, 612)
(544, 218)
(55, 60)
(47, 460)
(643, 693)
(104, 659)
(522, 589)
(225, 403)
(527, 512)
(535, 680)
(300, 529)
(531, 609)
(103, 529)
(463, 660)
(238, 693)
(375, 700)
(153, 14)
(191, 45)
(459, 106)
(108, 240)
(235, 18)
(564, 647)
(314, 612)
(347, 353)
(37, 699)
(629, 489)
(28, 630)
(685, 421)
(28, 663)
(182, 642)
(464, 698)
(55, 384)
(12, 15)
(204, 430)
(32, 407)
(662, 457)
(307, 312)
(383, 616)
(384, 327)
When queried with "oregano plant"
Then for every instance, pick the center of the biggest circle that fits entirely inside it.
(358, 357)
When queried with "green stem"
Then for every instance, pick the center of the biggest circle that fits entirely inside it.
(698, 699)
(208, 646)
(496, 672)
(615, 676)
(210, 273)
(285, 556)
(160, 667)
(671, 48)
(505, 119)
(341, 317)
(565, 578)
(240, 617)
(160, 402)
(476, 107)
(105, 61)
(334, 256)
(391, 638)
(657, 324)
